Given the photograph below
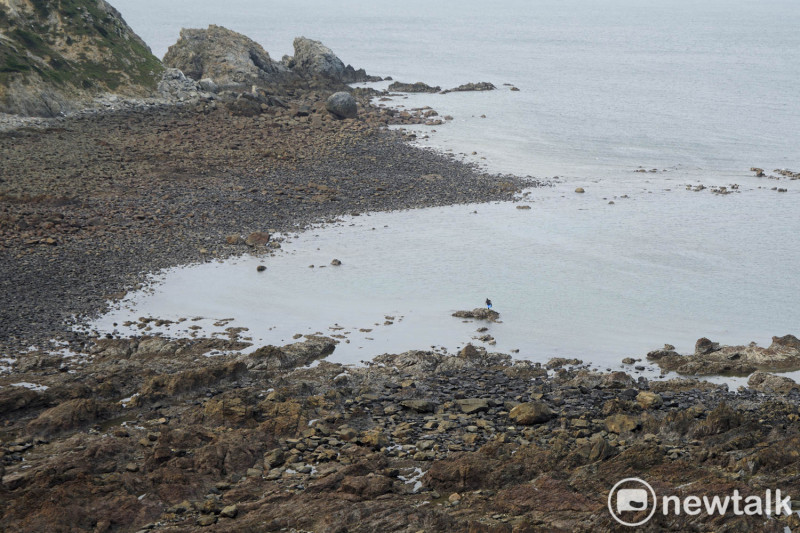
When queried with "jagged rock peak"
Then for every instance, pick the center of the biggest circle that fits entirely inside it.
(224, 56)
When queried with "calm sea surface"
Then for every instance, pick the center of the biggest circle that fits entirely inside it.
(699, 91)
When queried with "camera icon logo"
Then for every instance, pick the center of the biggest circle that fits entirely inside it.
(629, 498)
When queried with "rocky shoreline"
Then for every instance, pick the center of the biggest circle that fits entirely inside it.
(152, 434)
(194, 434)
(99, 200)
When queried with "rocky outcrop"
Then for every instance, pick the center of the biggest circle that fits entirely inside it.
(480, 313)
(417, 87)
(764, 382)
(342, 105)
(405, 442)
(232, 60)
(227, 58)
(290, 356)
(57, 55)
(314, 59)
(710, 358)
(480, 86)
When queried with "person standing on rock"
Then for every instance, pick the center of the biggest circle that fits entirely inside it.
(488, 303)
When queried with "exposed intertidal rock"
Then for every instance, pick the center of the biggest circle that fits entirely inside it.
(291, 356)
(480, 86)
(710, 358)
(418, 87)
(479, 313)
(765, 382)
(418, 440)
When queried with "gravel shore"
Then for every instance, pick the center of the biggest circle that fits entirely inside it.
(90, 204)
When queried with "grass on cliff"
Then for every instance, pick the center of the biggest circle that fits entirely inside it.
(35, 46)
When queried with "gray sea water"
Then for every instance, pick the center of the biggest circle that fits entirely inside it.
(700, 91)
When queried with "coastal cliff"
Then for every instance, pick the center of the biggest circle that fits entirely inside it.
(56, 54)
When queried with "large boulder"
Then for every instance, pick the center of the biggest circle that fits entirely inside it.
(53, 61)
(342, 105)
(531, 413)
(227, 58)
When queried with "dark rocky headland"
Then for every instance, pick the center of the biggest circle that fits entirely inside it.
(133, 168)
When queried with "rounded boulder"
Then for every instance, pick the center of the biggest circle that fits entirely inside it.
(342, 105)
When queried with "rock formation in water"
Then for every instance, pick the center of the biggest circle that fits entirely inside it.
(314, 59)
(418, 87)
(480, 86)
(57, 54)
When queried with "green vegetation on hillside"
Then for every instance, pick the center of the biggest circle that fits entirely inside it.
(83, 46)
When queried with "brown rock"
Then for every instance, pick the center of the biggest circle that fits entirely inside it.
(649, 400)
(69, 415)
(366, 486)
(531, 413)
(230, 511)
(764, 382)
(374, 438)
(257, 238)
(620, 423)
(473, 405)
(705, 346)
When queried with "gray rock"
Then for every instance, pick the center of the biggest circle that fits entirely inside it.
(480, 86)
(208, 85)
(174, 85)
(342, 105)
(314, 59)
(417, 87)
(225, 57)
(290, 356)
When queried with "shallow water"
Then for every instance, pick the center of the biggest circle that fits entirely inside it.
(573, 276)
